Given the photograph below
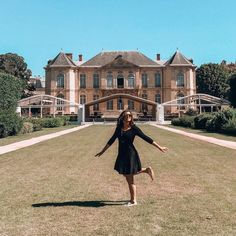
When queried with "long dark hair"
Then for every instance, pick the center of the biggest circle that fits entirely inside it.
(120, 120)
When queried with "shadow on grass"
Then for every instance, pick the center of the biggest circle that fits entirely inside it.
(80, 204)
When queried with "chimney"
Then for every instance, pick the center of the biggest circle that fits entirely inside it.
(80, 57)
(69, 55)
(158, 57)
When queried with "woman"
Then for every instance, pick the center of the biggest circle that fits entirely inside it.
(128, 162)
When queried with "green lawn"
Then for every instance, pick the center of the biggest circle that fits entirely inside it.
(44, 131)
(58, 187)
(205, 133)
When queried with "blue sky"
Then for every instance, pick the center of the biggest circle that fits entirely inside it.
(204, 30)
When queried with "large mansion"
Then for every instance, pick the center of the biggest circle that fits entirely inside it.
(119, 72)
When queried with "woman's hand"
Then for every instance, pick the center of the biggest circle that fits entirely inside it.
(99, 154)
(163, 149)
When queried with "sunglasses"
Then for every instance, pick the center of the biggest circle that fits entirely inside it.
(127, 114)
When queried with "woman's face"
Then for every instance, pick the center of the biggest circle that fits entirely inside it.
(128, 117)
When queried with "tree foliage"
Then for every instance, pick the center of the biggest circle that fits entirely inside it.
(232, 93)
(10, 91)
(212, 79)
(15, 65)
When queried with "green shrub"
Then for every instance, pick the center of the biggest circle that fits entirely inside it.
(176, 122)
(52, 122)
(66, 119)
(185, 121)
(230, 127)
(27, 128)
(37, 123)
(201, 120)
(10, 123)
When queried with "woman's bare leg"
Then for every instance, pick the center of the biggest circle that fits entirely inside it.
(132, 188)
(148, 171)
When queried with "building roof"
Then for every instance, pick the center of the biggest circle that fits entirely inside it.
(61, 60)
(178, 59)
(133, 57)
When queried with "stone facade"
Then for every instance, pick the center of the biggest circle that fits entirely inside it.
(126, 72)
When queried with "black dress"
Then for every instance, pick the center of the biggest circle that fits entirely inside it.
(128, 161)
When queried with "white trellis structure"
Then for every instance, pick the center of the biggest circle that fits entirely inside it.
(197, 102)
(44, 105)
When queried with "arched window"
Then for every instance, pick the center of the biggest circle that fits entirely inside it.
(157, 79)
(109, 81)
(144, 105)
(158, 98)
(60, 81)
(180, 100)
(130, 105)
(180, 79)
(96, 106)
(60, 102)
(82, 99)
(131, 80)
(110, 105)
(120, 104)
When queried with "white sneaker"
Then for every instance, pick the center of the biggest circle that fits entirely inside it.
(129, 204)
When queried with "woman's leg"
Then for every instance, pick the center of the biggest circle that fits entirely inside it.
(148, 171)
(132, 188)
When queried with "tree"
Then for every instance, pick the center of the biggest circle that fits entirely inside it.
(232, 92)
(10, 92)
(212, 79)
(15, 65)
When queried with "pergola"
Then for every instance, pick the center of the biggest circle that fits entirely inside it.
(47, 105)
(197, 101)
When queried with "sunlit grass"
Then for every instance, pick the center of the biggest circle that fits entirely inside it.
(58, 187)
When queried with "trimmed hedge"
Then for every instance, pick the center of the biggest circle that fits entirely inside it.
(52, 122)
(185, 121)
(220, 122)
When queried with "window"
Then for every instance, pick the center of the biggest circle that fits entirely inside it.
(144, 80)
(95, 80)
(60, 102)
(60, 81)
(120, 81)
(96, 106)
(180, 80)
(130, 105)
(82, 99)
(109, 80)
(82, 80)
(158, 98)
(131, 80)
(158, 80)
(120, 104)
(110, 105)
(180, 100)
(144, 105)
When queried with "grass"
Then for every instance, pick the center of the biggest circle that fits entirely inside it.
(59, 188)
(205, 133)
(44, 131)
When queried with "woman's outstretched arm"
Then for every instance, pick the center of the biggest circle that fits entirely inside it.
(149, 140)
(103, 150)
(109, 143)
(162, 149)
